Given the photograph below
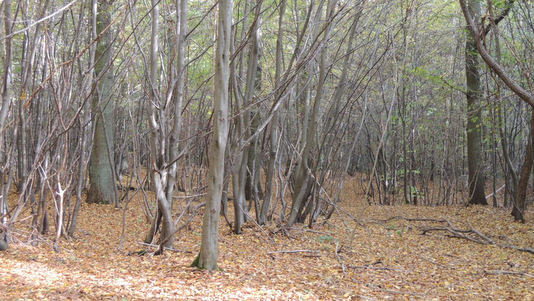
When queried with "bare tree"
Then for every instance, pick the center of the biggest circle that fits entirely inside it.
(165, 121)
(207, 257)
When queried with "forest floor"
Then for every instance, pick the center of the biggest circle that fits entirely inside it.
(390, 258)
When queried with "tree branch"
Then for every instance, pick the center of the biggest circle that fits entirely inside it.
(496, 67)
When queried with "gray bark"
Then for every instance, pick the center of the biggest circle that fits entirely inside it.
(273, 139)
(303, 180)
(6, 95)
(102, 185)
(207, 257)
(165, 120)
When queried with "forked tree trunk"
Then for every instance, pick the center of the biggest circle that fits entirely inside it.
(165, 119)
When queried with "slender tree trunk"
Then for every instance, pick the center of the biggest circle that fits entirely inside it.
(207, 258)
(7, 68)
(6, 100)
(273, 137)
(83, 121)
(303, 180)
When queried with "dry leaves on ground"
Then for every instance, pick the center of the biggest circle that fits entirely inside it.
(389, 258)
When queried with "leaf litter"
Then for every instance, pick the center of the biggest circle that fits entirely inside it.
(391, 258)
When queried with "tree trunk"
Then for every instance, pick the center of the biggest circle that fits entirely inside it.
(165, 120)
(303, 180)
(102, 184)
(520, 203)
(471, 12)
(6, 100)
(474, 119)
(207, 257)
(273, 137)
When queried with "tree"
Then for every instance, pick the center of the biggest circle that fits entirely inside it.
(102, 185)
(274, 132)
(6, 97)
(207, 257)
(520, 203)
(303, 178)
(474, 118)
(165, 122)
(477, 36)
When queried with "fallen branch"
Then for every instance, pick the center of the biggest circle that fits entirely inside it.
(373, 268)
(470, 234)
(455, 233)
(528, 250)
(293, 251)
(491, 194)
(504, 272)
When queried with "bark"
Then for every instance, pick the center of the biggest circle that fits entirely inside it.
(7, 67)
(273, 137)
(102, 184)
(303, 180)
(520, 203)
(474, 119)
(83, 120)
(165, 120)
(6, 100)
(3, 244)
(207, 257)
(470, 17)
